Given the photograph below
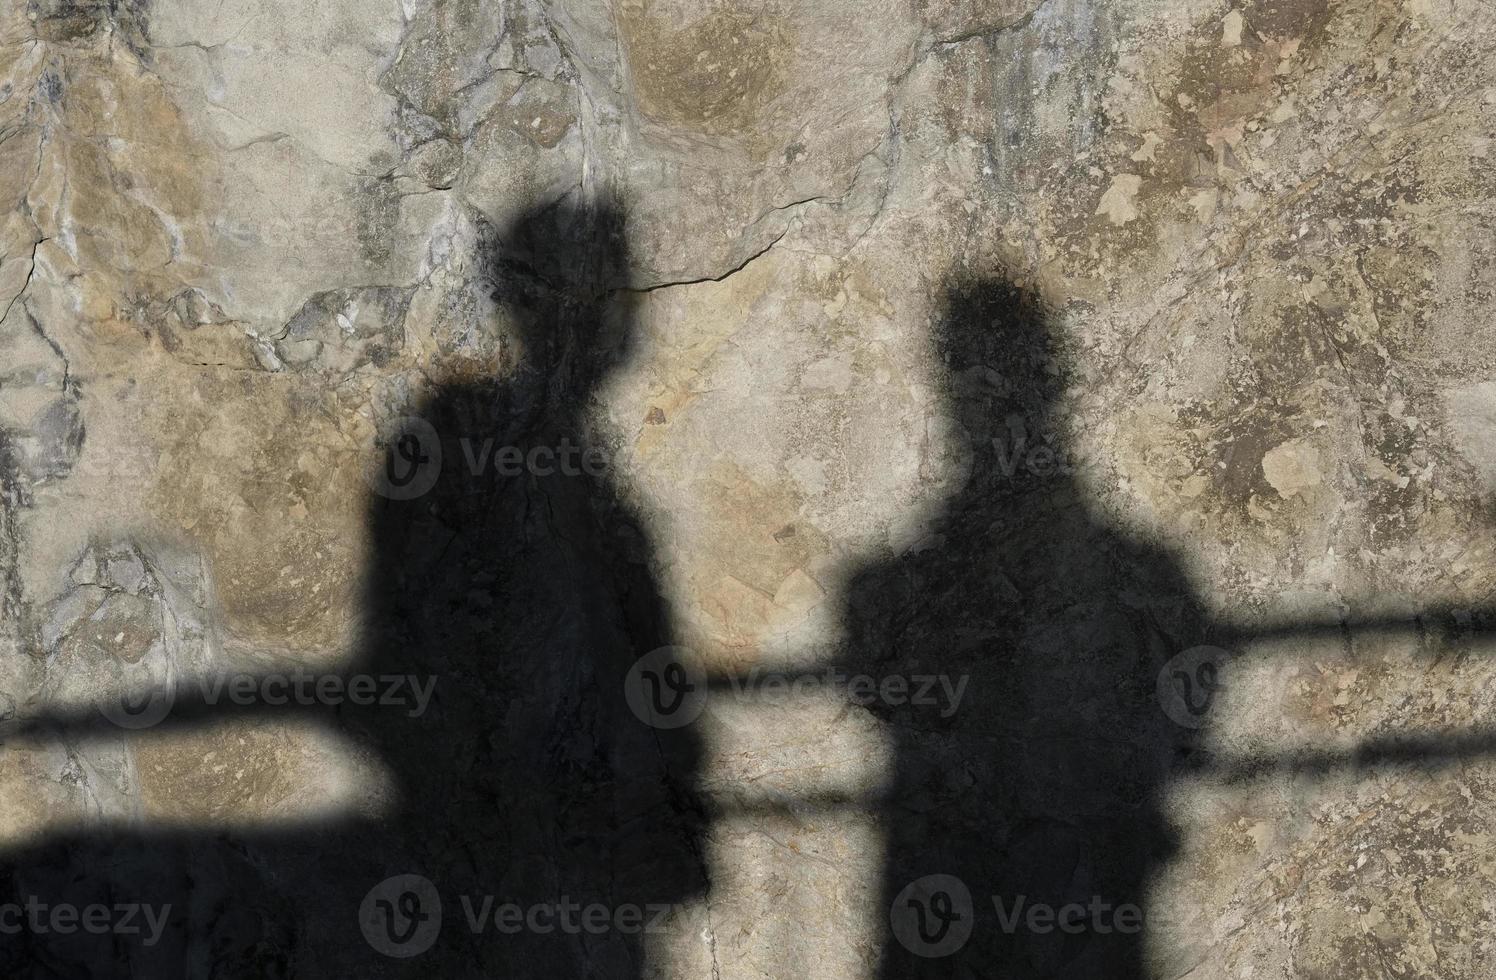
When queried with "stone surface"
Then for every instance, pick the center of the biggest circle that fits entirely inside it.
(1032, 342)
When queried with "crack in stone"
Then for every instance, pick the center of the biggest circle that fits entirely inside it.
(22, 291)
(989, 32)
(692, 282)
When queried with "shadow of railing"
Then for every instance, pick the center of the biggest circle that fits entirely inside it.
(536, 774)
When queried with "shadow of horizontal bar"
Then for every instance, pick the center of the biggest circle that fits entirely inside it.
(1425, 751)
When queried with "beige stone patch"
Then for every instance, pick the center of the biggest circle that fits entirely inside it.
(1471, 411)
(1231, 27)
(714, 74)
(1119, 200)
(737, 596)
(833, 373)
(40, 791)
(274, 495)
(799, 592)
(232, 771)
(1203, 203)
(1292, 468)
(249, 772)
(739, 611)
(1148, 152)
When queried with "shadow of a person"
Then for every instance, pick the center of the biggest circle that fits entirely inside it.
(521, 581)
(1021, 826)
(510, 580)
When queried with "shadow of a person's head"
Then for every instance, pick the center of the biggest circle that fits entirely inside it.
(538, 337)
(998, 378)
(462, 457)
(1005, 373)
(551, 274)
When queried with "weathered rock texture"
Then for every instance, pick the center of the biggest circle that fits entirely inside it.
(1230, 265)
